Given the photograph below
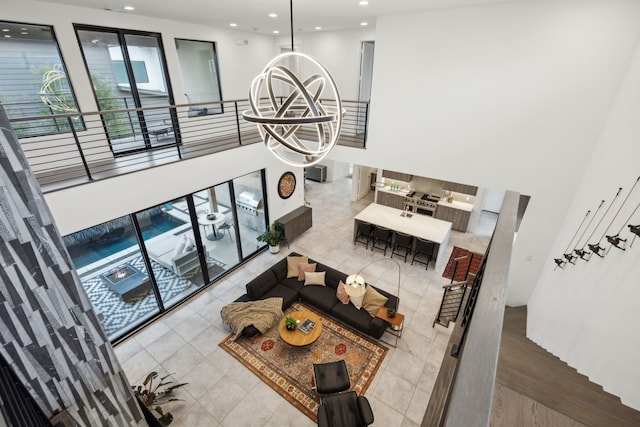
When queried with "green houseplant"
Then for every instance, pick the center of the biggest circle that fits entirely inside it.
(290, 323)
(152, 395)
(273, 236)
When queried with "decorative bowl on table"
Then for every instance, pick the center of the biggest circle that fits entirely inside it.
(211, 216)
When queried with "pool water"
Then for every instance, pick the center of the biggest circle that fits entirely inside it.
(93, 251)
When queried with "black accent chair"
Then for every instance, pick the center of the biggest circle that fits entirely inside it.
(424, 252)
(402, 245)
(381, 239)
(331, 377)
(339, 409)
(364, 232)
(345, 410)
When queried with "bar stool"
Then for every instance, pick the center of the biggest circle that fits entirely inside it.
(424, 249)
(363, 233)
(402, 245)
(381, 239)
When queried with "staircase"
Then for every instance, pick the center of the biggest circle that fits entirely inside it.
(450, 305)
(545, 388)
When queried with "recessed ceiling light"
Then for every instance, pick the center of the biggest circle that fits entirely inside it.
(5, 30)
(363, 3)
(276, 32)
(233, 24)
(273, 15)
(364, 24)
(24, 33)
(129, 8)
(317, 28)
(7, 36)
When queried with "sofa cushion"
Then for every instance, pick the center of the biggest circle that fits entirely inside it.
(280, 269)
(321, 297)
(342, 294)
(373, 300)
(261, 284)
(315, 278)
(292, 264)
(306, 268)
(333, 277)
(289, 296)
(358, 319)
(292, 283)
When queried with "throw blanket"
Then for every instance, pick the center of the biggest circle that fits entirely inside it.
(262, 314)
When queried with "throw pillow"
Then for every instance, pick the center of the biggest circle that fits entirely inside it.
(182, 242)
(373, 300)
(189, 244)
(292, 264)
(356, 300)
(341, 293)
(314, 278)
(304, 268)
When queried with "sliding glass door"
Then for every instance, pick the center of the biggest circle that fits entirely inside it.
(128, 71)
(137, 266)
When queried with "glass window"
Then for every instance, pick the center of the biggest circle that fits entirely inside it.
(114, 274)
(249, 194)
(33, 80)
(171, 245)
(128, 71)
(199, 68)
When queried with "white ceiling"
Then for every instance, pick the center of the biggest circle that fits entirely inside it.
(252, 15)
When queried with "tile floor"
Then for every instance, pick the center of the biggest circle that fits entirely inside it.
(222, 392)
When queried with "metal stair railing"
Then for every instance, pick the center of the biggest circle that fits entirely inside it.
(451, 303)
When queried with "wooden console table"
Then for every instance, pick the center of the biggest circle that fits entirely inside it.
(296, 222)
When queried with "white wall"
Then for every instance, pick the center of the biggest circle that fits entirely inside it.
(339, 52)
(501, 96)
(587, 314)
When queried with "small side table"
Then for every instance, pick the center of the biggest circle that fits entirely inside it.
(396, 324)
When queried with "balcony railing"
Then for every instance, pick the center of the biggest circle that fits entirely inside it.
(66, 150)
(463, 392)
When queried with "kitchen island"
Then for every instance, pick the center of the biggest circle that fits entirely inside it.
(422, 226)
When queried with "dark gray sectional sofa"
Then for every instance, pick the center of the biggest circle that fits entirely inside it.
(274, 283)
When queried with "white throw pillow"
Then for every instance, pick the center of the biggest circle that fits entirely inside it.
(182, 242)
(311, 278)
(189, 244)
(356, 300)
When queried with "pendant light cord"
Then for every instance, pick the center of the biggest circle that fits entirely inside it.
(291, 16)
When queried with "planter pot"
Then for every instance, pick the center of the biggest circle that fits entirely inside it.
(274, 249)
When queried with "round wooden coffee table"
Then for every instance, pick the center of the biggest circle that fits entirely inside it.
(297, 337)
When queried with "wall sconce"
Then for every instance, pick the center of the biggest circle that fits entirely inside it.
(596, 248)
(617, 242)
(584, 255)
(567, 254)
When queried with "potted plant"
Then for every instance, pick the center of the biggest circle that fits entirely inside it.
(152, 395)
(290, 323)
(273, 236)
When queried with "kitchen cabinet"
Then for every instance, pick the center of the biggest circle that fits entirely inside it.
(296, 222)
(390, 199)
(460, 188)
(397, 176)
(457, 217)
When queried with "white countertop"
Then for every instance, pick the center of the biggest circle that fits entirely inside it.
(422, 226)
(387, 189)
(468, 207)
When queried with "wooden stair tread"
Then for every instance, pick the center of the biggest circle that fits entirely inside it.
(532, 371)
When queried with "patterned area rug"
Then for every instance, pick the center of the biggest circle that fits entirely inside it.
(289, 370)
(461, 269)
(118, 314)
